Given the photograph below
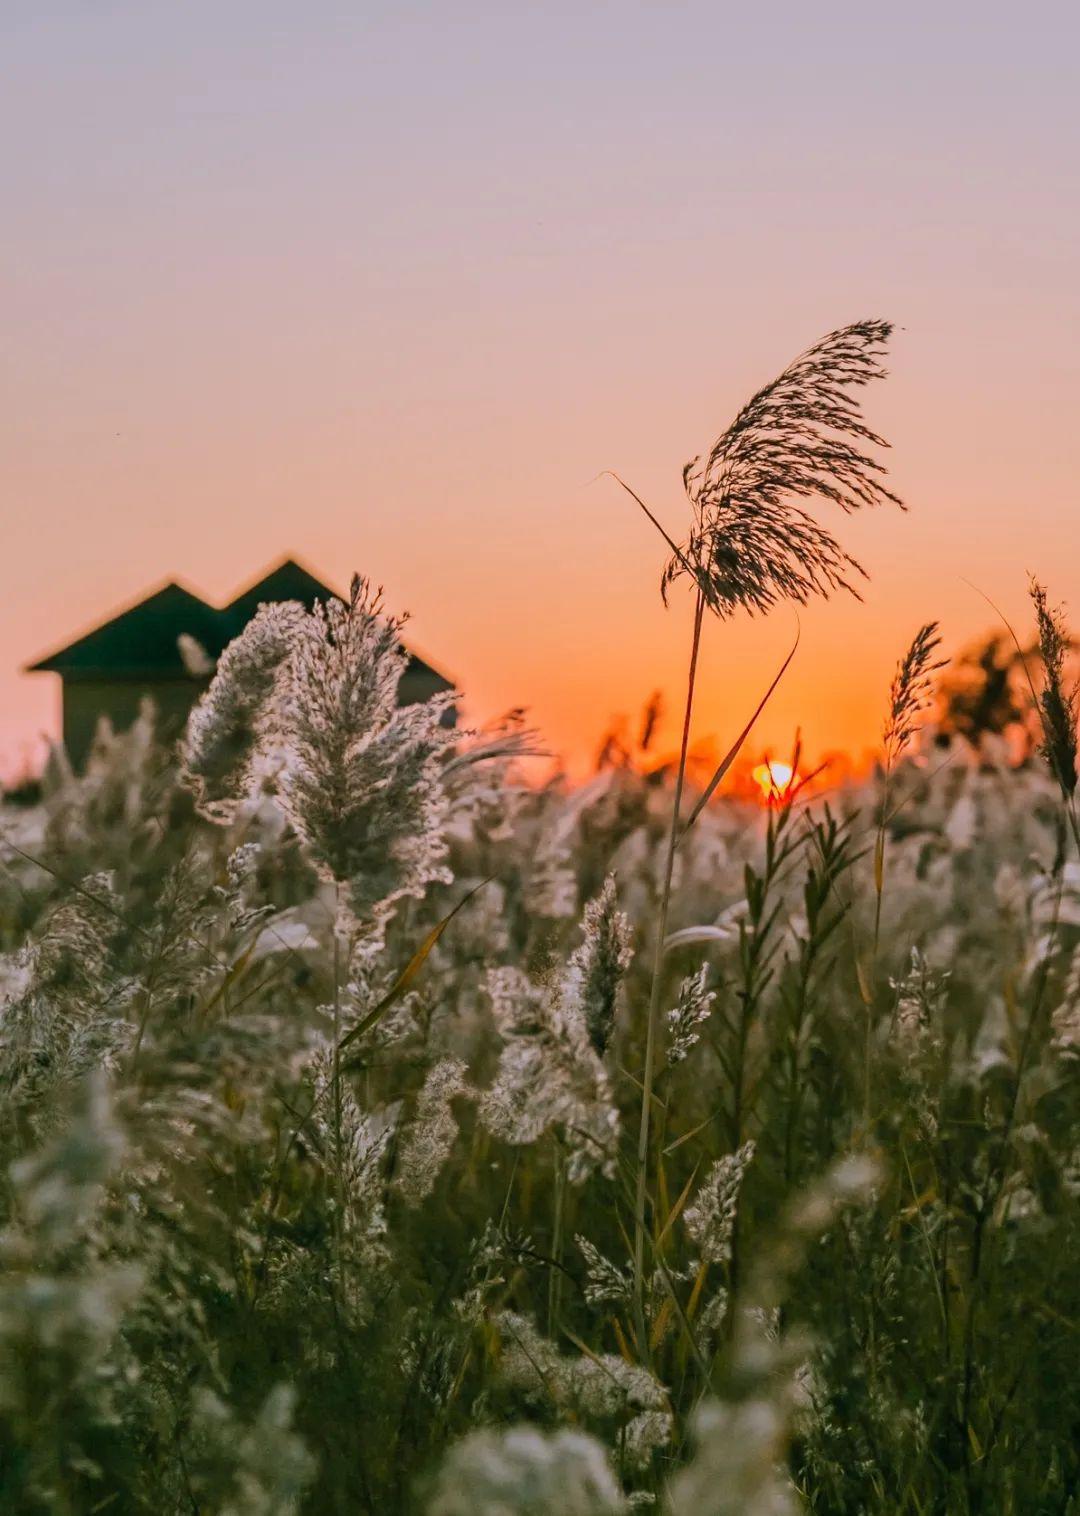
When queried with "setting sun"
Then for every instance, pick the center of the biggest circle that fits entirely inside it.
(774, 779)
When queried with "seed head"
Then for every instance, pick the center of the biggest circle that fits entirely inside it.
(1057, 705)
(911, 689)
(597, 967)
(801, 437)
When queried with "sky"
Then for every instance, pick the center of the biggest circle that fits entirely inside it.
(386, 287)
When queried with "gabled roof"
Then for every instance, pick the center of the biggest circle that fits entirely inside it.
(141, 642)
(289, 581)
(292, 581)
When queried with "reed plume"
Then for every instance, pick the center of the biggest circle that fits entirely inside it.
(909, 695)
(911, 689)
(1057, 704)
(801, 437)
(751, 546)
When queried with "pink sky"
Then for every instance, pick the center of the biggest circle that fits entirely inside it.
(387, 292)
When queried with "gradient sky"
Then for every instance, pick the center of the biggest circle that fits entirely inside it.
(385, 286)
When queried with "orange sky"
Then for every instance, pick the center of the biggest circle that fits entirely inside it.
(388, 290)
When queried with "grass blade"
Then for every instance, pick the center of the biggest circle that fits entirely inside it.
(409, 972)
(734, 751)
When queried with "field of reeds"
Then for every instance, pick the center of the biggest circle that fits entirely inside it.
(385, 1131)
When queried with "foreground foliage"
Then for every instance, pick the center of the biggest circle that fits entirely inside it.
(321, 1051)
(318, 1184)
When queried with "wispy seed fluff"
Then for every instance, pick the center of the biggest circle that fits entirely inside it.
(432, 1133)
(801, 437)
(711, 1219)
(911, 689)
(305, 703)
(596, 969)
(692, 1008)
(521, 1469)
(550, 1072)
(548, 1076)
(232, 726)
(1057, 704)
(600, 1385)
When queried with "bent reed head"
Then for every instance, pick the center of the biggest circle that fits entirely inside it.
(801, 437)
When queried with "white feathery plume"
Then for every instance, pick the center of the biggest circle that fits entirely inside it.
(601, 1386)
(597, 967)
(711, 1219)
(497, 1472)
(432, 1132)
(550, 1072)
(305, 702)
(685, 1019)
(231, 726)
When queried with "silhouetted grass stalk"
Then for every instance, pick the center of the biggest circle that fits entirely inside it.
(909, 695)
(652, 1024)
(750, 547)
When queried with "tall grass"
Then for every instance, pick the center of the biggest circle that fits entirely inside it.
(750, 547)
(327, 1044)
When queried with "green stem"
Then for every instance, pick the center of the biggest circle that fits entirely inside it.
(654, 1000)
(339, 1182)
(879, 887)
(554, 1272)
(879, 857)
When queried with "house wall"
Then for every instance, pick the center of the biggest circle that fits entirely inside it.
(85, 700)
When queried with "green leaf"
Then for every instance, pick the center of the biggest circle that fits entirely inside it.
(409, 972)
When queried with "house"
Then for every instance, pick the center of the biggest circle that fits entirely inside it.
(109, 671)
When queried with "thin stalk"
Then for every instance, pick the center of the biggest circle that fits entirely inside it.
(554, 1275)
(654, 997)
(1074, 827)
(879, 856)
(339, 1184)
(793, 1103)
(879, 890)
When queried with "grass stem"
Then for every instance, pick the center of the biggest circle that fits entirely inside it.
(648, 1076)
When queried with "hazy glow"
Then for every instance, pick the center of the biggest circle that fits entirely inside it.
(386, 287)
(773, 779)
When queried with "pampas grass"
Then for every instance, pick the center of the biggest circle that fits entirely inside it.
(243, 1273)
(751, 547)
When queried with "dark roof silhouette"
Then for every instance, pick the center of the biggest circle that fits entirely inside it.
(289, 581)
(141, 642)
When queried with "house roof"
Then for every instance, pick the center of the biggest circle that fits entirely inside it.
(141, 642)
(289, 581)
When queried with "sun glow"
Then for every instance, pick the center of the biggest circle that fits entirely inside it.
(774, 779)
